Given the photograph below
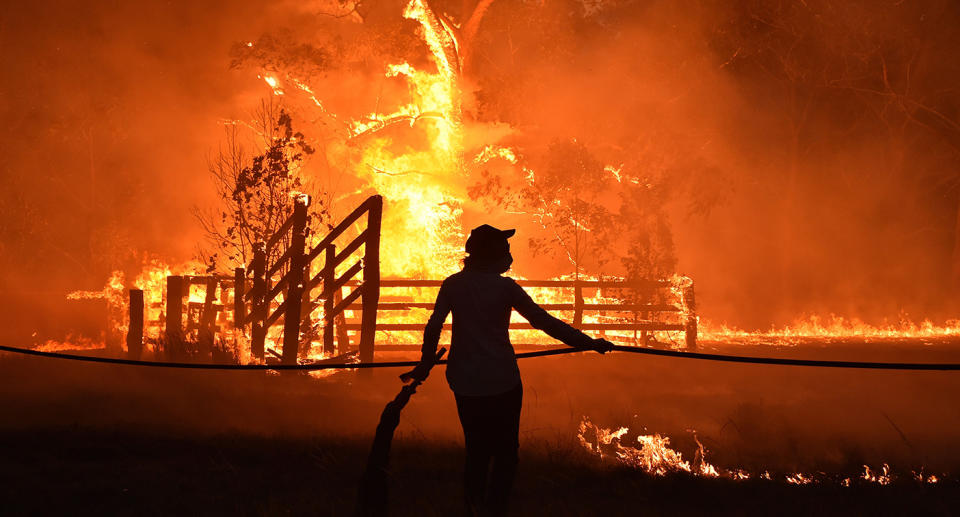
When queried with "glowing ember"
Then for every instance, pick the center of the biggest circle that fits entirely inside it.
(883, 477)
(799, 478)
(930, 479)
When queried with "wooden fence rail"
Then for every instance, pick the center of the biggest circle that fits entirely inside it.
(297, 284)
(263, 298)
(643, 314)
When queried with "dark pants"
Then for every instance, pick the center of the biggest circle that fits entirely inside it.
(491, 425)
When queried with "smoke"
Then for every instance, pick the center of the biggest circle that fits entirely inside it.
(810, 149)
(806, 154)
(110, 111)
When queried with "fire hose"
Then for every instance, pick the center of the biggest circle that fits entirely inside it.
(333, 364)
(374, 484)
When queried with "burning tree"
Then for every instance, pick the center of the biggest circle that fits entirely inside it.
(257, 194)
(567, 200)
(595, 217)
(417, 62)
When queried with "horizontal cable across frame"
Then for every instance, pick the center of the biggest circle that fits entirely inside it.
(589, 284)
(518, 347)
(403, 306)
(538, 353)
(527, 326)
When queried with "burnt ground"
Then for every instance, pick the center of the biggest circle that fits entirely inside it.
(99, 439)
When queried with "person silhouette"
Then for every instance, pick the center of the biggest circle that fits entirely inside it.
(482, 369)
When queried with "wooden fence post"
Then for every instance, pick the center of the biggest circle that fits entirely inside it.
(208, 319)
(258, 313)
(295, 283)
(174, 318)
(644, 315)
(577, 304)
(691, 313)
(370, 296)
(306, 302)
(329, 277)
(135, 329)
(601, 315)
(239, 308)
(340, 324)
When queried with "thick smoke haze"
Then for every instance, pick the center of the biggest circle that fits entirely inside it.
(109, 111)
(807, 154)
(811, 148)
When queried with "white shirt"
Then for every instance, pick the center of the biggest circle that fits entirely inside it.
(481, 360)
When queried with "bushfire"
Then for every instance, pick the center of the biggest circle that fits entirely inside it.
(727, 180)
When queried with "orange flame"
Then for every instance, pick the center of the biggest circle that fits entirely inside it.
(832, 328)
(655, 456)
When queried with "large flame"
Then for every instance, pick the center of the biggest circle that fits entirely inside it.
(423, 216)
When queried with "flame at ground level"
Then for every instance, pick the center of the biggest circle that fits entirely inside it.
(832, 328)
(654, 456)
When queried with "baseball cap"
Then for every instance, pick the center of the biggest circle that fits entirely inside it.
(485, 238)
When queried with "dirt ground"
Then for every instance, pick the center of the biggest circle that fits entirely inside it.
(100, 439)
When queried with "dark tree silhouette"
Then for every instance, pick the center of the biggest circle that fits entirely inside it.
(257, 195)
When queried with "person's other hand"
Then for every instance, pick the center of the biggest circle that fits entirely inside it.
(407, 377)
(417, 373)
(602, 345)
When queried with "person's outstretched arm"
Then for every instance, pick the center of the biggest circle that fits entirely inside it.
(554, 327)
(431, 334)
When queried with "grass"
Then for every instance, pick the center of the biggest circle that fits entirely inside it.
(74, 471)
(107, 440)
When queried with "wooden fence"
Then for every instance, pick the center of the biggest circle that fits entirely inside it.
(300, 286)
(288, 289)
(640, 319)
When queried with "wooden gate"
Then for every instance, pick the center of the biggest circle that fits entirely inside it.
(304, 292)
(303, 278)
(269, 293)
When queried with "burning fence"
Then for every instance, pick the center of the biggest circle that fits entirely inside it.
(185, 305)
(658, 313)
(278, 309)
